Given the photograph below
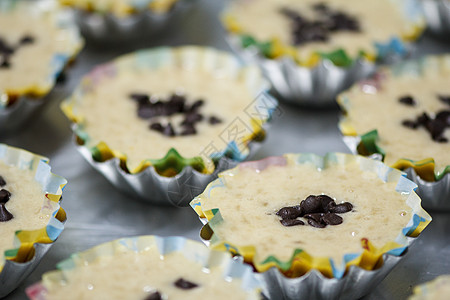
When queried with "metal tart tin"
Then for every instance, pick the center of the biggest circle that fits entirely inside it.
(435, 195)
(437, 16)
(16, 269)
(107, 27)
(179, 190)
(351, 283)
(192, 250)
(14, 115)
(318, 85)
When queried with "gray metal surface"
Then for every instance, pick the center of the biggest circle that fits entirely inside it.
(97, 212)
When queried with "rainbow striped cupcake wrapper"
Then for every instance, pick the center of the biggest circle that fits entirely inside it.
(318, 80)
(195, 251)
(31, 246)
(322, 277)
(132, 21)
(173, 179)
(433, 187)
(17, 107)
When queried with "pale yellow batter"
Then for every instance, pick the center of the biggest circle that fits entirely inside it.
(28, 204)
(250, 199)
(110, 115)
(437, 289)
(135, 275)
(383, 112)
(379, 21)
(31, 68)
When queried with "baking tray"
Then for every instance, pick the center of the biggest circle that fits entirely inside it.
(97, 212)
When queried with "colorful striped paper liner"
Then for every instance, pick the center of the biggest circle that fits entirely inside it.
(195, 251)
(122, 8)
(366, 143)
(275, 49)
(53, 186)
(62, 20)
(301, 262)
(192, 56)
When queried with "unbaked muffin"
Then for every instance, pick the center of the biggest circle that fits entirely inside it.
(303, 212)
(148, 267)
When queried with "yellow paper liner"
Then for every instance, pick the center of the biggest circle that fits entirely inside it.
(192, 250)
(424, 167)
(274, 48)
(173, 162)
(301, 262)
(53, 186)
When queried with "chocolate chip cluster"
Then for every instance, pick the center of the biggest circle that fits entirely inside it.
(150, 108)
(330, 21)
(320, 211)
(5, 195)
(180, 283)
(6, 50)
(435, 126)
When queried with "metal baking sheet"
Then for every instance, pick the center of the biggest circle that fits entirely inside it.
(97, 212)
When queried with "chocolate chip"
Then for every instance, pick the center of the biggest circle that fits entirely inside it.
(316, 224)
(184, 284)
(5, 215)
(291, 222)
(326, 202)
(311, 204)
(157, 127)
(196, 105)
(5, 195)
(140, 98)
(342, 208)
(436, 128)
(441, 139)
(154, 296)
(445, 99)
(26, 40)
(410, 124)
(4, 48)
(444, 116)
(316, 217)
(332, 219)
(340, 21)
(146, 111)
(168, 130)
(423, 119)
(289, 212)
(178, 102)
(304, 30)
(407, 100)
(214, 120)
(2, 181)
(192, 118)
(5, 63)
(189, 129)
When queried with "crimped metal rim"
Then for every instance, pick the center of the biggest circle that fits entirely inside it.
(232, 268)
(111, 28)
(154, 188)
(435, 195)
(437, 16)
(12, 117)
(14, 273)
(313, 285)
(317, 86)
